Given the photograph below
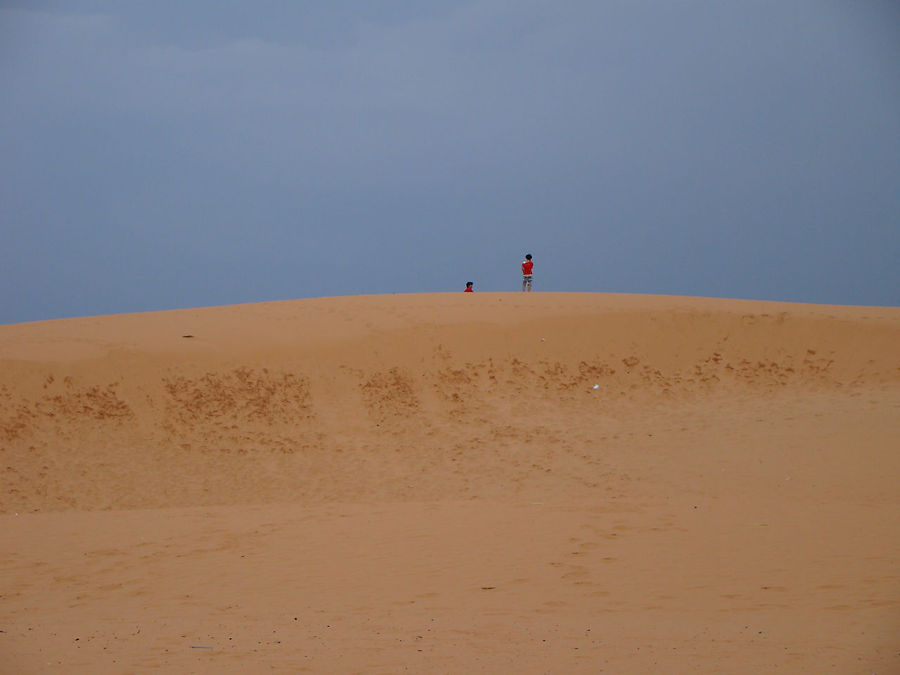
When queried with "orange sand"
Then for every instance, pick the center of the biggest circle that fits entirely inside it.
(431, 483)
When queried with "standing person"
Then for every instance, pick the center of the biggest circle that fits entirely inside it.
(527, 266)
(469, 288)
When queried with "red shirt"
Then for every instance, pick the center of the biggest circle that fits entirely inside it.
(468, 290)
(527, 266)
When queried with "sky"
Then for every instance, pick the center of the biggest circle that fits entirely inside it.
(163, 154)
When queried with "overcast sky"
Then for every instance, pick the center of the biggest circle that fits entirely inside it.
(156, 155)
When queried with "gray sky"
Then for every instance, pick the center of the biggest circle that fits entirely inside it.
(156, 155)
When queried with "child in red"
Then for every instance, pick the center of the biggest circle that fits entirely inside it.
(469, 288)
(527, 266)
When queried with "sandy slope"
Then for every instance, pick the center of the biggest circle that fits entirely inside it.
(431, 483)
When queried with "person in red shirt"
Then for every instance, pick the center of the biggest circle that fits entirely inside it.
(469, 288)
(527, 266)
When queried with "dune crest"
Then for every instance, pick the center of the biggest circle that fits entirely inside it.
(282, 401)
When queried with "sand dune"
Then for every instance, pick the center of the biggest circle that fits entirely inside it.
(453, 483)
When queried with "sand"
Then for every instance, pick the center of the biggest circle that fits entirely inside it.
(453, 483)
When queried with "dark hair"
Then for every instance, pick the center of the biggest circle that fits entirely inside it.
(470, 283)
(527, 256)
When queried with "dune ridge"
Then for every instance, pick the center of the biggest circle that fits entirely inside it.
(453, 483)
(282, 400)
